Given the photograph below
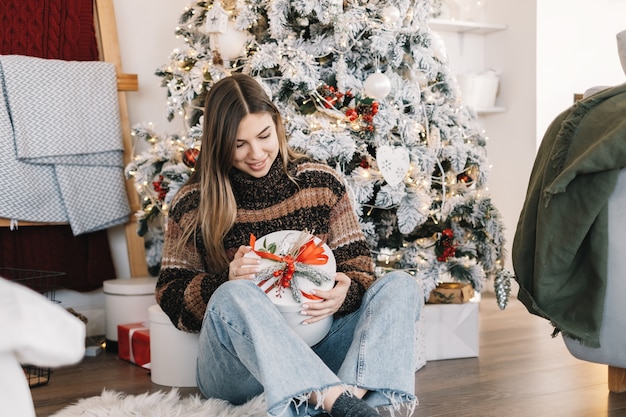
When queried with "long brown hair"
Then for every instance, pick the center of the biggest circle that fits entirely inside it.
(227, 103)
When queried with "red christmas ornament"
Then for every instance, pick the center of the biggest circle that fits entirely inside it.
(448, 233)
(351, 114)
(447, 244)
(161, 188)
(374, 108)
(190, 156)
(464, 178)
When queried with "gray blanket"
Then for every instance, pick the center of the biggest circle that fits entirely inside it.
(61, 152)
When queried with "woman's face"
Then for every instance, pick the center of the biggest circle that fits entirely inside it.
(256, 145)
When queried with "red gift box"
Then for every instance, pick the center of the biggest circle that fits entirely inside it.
(134, 343)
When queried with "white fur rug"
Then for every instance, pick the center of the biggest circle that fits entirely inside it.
(160, 404)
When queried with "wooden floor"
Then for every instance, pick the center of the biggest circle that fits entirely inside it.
(521, 372)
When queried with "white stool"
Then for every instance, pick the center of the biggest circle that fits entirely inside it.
(173, 353)
(126, 301)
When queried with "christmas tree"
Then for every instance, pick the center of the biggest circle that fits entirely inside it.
(363, 86)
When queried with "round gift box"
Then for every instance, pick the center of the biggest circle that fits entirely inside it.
(126, 300)
(173, 353)
(283, 298)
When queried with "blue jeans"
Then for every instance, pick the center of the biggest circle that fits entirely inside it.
(247, 349)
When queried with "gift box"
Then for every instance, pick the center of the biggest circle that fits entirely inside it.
(293, 265)
(134, 343)
(126, 300)
(451, 331)
(451, 293)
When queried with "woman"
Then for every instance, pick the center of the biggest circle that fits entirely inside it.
(247, 181)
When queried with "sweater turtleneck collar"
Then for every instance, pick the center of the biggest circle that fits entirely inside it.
(241, 179)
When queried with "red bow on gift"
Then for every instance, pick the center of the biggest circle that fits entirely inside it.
(309, 253)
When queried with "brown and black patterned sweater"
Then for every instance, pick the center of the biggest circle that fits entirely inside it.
(264, 205)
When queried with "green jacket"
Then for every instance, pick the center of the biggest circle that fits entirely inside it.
(560, 245)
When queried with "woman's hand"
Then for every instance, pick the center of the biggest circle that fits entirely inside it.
(332, 300)
(243, 267)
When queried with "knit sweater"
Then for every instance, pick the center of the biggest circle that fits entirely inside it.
(318, 202)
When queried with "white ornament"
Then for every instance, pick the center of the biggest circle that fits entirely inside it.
(377, 85)
(434, 138)
(232, 43)
(439, 47)
(391, 15)
(335, 7)
(216, 19)
(393, 163)
(420, 77)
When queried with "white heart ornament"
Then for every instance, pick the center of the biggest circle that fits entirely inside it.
(393, 163)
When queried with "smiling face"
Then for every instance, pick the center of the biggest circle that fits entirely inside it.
(256, 145)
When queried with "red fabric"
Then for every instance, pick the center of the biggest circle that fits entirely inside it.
(85, 260)
(54, 29)
(133, 338)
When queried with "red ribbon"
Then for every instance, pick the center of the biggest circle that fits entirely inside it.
(309, 253)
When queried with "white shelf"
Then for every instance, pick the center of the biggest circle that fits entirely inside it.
(491, 110)
(461, 26)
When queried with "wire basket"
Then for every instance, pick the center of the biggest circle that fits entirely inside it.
(45, 283)
(36, 376)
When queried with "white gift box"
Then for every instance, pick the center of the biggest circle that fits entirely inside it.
(173, 353)
(451, 330)
(126, 300)
(281, 242)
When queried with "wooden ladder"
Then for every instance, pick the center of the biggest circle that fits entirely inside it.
(108, 44)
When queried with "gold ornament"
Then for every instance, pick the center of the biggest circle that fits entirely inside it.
(229, 5)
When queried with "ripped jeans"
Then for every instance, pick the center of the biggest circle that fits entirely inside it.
(247, 349)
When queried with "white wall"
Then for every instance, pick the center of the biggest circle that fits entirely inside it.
(576, 49)
(146, 33)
